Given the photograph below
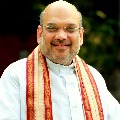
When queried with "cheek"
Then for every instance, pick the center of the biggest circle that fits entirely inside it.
(46, 42)
(48, 38)
(75, 40)
(45, 38)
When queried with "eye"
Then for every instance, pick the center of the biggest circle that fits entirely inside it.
(70, 29)
(51, 28)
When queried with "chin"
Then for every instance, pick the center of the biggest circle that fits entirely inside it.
(63, 60)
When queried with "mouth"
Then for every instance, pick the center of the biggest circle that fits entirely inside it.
(60, 44)
(61, 47)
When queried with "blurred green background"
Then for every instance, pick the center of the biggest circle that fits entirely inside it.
(101, 20)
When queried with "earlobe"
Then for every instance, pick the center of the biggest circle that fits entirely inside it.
(39, 33)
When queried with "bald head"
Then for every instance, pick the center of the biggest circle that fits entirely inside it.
(61, 8)
(60, 4)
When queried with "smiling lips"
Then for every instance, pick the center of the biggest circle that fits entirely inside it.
(59, 43)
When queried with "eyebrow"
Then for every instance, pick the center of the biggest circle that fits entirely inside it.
(68, 24)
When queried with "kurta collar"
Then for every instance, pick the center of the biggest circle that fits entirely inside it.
(60, 69)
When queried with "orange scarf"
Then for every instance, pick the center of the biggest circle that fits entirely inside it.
(38, 92)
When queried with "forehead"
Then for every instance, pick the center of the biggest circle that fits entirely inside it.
(61, 13)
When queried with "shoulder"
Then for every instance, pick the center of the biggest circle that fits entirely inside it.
(15, 69)
(17, 65)
(100, 81)
(94, 71)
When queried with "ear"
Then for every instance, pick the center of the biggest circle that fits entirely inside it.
(39, 33)
(81, 35)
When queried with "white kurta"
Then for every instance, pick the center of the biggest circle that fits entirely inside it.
(66, 97)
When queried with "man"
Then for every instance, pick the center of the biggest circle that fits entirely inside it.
(53, 83)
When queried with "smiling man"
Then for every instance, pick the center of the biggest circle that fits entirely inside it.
(53, 82)
(61, 32)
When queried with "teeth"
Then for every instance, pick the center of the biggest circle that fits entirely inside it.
(61, 44)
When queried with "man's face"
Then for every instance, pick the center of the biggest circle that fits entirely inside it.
(60, 37)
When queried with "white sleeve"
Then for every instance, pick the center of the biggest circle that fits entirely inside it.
(113, 107)
(9, 97)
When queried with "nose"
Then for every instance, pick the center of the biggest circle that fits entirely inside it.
(61, 35)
